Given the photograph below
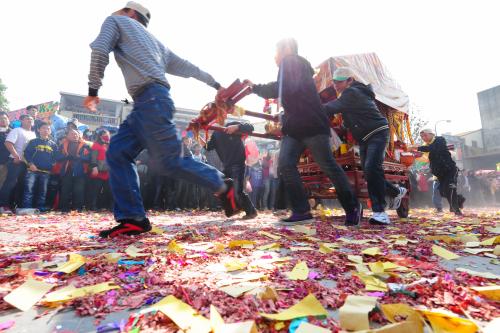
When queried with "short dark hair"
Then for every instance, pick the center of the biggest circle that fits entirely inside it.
(290, 43)
(43, 123)
(3, 113)
(25, 116)
(29, 107)
(142, 20)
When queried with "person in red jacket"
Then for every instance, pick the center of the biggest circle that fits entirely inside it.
(98, 171)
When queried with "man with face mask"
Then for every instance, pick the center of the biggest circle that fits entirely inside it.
(304, 125)
(356, 103)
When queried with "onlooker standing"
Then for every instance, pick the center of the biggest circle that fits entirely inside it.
(4, 153)
(33, 111)
(266, 179)
(40, 156)
(436, 196)
(257, 182)
(99, 176)
(15, 142)
(75, 155)
(274, 178)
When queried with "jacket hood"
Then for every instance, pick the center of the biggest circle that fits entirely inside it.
(365, 89)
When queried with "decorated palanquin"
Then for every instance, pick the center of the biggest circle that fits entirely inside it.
(391, 100)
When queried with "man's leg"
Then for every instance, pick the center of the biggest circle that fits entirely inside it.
(29, 185)
(42, 184)
(65, 195)
(289, 156)
(13, 172)
(321, 150)
(372, 160)
(237, 173)
(123, 178)
(78, 194)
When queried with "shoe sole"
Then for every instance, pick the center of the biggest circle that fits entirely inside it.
(397, 200)
(308, 221)
(377, 222)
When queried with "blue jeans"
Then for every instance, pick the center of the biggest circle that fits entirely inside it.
(437, 200)
(372, 154)
(35, 182)
(150, 126)
(321, 149)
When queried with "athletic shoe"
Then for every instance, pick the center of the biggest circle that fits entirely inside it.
(249, 216)
(396, 201)
(228, 199)
(27, 211)
(297, 218)
(127, 227)
(353, 219)
(5, 210)
(380, 218)
(458, 212)
(439, 210)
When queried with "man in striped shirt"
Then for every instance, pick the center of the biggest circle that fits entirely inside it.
(144, 62)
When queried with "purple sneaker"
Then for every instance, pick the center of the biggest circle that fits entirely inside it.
(297, 218)
(353, 219)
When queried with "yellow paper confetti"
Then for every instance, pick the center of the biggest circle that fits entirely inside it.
(490, 292)
(299, 272)
(304, 230)
(305, 327)
(353, 314)
(183, 315)
(112, 257)
(372, 251)
(402, 327)
(301, 248)
(134, 252)
(70, 292)
(267, 234)
(75, 261)
(444, 253)
(218, 326)
(377, 267)
(355, 259)
(324, 248)
(269, 247)
(371, 282)
(449, 323)
(309, 306)
(402, 311)
(28, 294)
(173, 247)
(239, 289)
(279, 325)
(491, 241)
(241, 243)
(235, 265)
(156, 230)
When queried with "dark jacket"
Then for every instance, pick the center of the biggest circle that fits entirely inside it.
(359, 111)
(75, 163)
(230, 148)
(304, 116)
(4, 153)
(439, 157)
(41, 153)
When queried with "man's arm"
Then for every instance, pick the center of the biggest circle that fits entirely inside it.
(340, 104)
(212, 142)
(101, 47)
(180, 67)
(269, 90)
(29, 151)
(9, 144)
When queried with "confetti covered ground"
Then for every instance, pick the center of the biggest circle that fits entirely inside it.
(249, 268)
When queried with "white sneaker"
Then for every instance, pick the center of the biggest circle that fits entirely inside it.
(27, 211)
(396, 201)
(380, 218)
(5, 210)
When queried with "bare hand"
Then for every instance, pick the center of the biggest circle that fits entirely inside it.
(94, 172)
(33, 168)
(248, 83)
(17, 160)
(220, 95)
(91, 102)
(232, 129)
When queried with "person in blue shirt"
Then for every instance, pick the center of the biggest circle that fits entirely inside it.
(40, 157)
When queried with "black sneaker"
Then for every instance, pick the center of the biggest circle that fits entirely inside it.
(127, 227)
(229, 200)
(249, 216)
(297, 218)
(353, 219)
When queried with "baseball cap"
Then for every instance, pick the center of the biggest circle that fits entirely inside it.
(139, 8)
(342, 74)
(427, 131)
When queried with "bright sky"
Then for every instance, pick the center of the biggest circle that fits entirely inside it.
(441, 52)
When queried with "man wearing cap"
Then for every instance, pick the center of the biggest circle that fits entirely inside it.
(356, 103)
(443, 167)
(304, 125)
(144, 62)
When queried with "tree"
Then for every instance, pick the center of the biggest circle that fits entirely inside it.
(4, 103)
(417, 122)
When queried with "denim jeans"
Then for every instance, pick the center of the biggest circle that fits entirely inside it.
(372, 154)
(266, 194)
(321, 149)
(437, 200)
(237, 173)
(150, 126)
(273, 192)
(14, 173)
(35, 183)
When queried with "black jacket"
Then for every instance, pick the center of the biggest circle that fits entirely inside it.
(230, 148)
(4, 153)
(304, 116)
(439, 157)
(359, 111)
